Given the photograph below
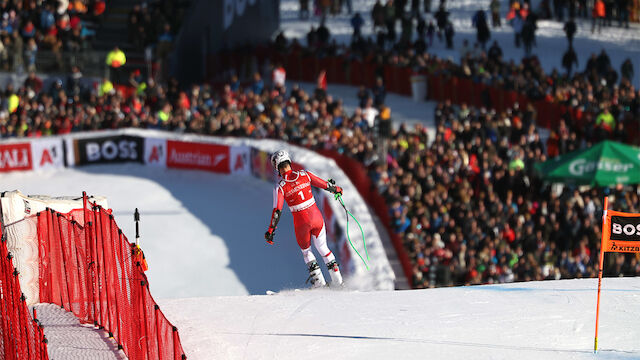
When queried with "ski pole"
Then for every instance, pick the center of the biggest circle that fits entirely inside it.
(348, 213)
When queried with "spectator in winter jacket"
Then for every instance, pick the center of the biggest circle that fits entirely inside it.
(407, 29)
(608, 10)
(442, 17)
(421, 27)
(483, 34)
(626, 69)
(356, 23)
(528, 35)
(495, 13)
(431, 31)
(606, 121)
(517, 23)
(379, 92)
(377, 15)
(569, 59)
(622, 9)
(390, 19)
(495, 52)
(570, 30)
(258, 84)
(448, 34)
(603, 63)
(598, 15)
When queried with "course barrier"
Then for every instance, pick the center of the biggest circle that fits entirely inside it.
(88, 267)
(21, 337)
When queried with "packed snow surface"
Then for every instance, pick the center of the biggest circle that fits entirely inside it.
(525, 321)
(203, 238)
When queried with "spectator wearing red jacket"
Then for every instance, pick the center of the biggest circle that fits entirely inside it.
(598, 15)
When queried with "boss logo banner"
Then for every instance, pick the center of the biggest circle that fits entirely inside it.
(110, 149)
(625, 228)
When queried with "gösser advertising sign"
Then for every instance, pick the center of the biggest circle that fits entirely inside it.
(580, 167)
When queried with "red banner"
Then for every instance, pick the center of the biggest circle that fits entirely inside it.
(198, 156)
(15, 157)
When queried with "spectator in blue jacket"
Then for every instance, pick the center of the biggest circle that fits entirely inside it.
(356, 23)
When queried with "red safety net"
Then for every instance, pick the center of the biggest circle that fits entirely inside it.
(89, 267)
(20, 335)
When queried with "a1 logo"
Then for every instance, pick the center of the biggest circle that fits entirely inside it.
(156, 152)
(48, 154)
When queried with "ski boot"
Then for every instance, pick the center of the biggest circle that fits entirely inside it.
(315, 275)
(334, 272)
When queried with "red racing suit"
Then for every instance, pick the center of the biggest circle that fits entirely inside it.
(295, 189)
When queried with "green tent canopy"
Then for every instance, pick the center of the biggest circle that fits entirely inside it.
(605, 163)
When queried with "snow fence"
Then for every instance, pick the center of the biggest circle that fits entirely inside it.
(20, 335)
(88, 267)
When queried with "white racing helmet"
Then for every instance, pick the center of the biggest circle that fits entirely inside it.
(279, 157)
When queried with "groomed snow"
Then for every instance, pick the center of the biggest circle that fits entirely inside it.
(525, 321)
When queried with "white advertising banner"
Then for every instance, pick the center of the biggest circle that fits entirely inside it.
(47, 153)
(240, 160)
(71, 151)
(155, 152)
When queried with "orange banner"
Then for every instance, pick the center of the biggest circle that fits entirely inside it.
(621, 232)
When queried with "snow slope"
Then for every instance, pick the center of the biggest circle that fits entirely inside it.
(525, 321)
(202, 233)
(549, 320)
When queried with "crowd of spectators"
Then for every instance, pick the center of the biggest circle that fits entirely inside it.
(29, 26)
(593, 90)
(468, 206)
(472, 210)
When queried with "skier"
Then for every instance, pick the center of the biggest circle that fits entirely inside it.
(295, 189)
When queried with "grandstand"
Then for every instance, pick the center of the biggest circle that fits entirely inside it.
(459, 196)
